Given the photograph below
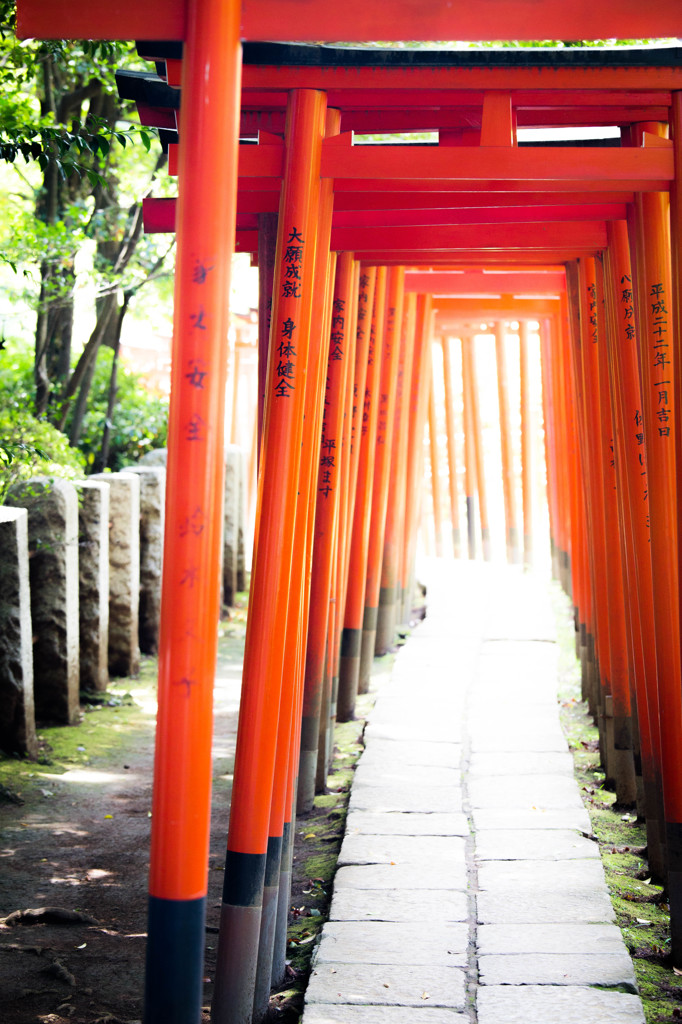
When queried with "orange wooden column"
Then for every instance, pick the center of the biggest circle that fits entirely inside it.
(657, 354)
(635, 514)
(526, 444)
(590, 330)
(274, 548)
(326, 522)
(574, 520)
(581, 509)
(395, 509)
(508, 477)
(390, 361)
(469, 454)
(342, 543)
(206, 211)
(419, 395)
(618, 723)
(469, 356)
(452, 451)
(276, 884)
(435, 469)
(351, 642)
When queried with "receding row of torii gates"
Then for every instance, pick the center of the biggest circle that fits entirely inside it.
(268, 129)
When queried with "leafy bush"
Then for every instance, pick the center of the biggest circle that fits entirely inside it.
(139, 422)
(31, 447)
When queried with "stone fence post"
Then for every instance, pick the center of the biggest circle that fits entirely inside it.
(124, 571)
(152, 514)
(93, 577)
(53, 574)
(17, 721)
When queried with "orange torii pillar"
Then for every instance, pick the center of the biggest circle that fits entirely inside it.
(390, 361)
(435, 468)
(574, 519)
(590, 332)
(206, 213)
(674, 828)
(346, 502)
(351, 641)
(419, 396)
(270, 596)
(326, 520)
(390, 593)
(279, 852)
(471, 393)
(508, 479)
(619, 738)
(660, 407)
(631, 466)
(452, 452)
(469, 457)
(526, 443)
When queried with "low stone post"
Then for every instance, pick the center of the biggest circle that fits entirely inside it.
(93, 579)
(156, 457)
(53, 574)
(152, 512)
(231, 523)
(17, 722)
(124, 571)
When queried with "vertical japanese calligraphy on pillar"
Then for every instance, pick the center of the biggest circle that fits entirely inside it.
(661, 377)
(382, 423)
(628, 316)
(328, 450)
(364, 314)
(291, 280)
(195, 383)
(592, 292)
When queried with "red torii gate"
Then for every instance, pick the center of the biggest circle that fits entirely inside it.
(206, 219)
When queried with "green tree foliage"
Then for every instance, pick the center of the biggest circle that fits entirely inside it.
(76, 188)
(28, 446)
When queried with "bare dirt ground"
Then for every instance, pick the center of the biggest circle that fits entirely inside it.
(74, 841)
(79, 843)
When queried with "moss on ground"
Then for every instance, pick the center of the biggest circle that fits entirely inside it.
(639, 904)
(109, 722)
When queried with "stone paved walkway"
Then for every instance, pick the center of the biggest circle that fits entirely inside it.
(469, 888)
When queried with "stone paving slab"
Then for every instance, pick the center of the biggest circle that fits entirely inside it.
(548, 791)
(416, 850)
(520, 763)
(527, 1004)
(555, 876)
(401, 876)
(415, 824)
(535, 844)
(400, 905)
(549, 938)
(405, 798)
(607, 970)
(532, 818)
(432, 732)
(389, 753)
(521, 739)
(509, 905)
(401, 930)
(392, 985)
(434, 944)
(329, 1014)
(424, 776)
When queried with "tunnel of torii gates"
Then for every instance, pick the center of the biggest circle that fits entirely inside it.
(356, 244)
